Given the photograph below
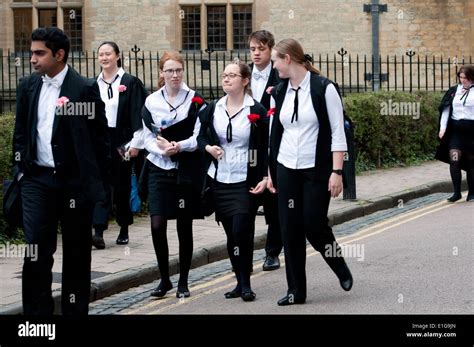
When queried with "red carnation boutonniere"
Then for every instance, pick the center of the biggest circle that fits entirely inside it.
(269, 90)
(197, 101)
(63, 100)
(271, 112)
(253, 118)
(122, 88)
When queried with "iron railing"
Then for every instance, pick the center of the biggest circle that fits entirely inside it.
(353, 73)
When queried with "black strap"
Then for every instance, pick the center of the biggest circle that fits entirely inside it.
(110, 92)
(229, 126)
(294, 117)
(172, 108)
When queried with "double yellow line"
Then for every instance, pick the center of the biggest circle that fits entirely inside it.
(393, 222)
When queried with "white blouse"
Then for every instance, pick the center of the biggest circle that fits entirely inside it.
(460, 111)
(298, 143)
(164, 117)
(232, 167)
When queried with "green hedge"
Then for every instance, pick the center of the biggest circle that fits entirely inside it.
(384, 138)
(7, 123)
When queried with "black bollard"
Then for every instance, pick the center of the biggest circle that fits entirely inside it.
(349, 192)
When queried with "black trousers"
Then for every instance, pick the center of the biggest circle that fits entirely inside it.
(273, 245)
(46, 200)
(303, 202)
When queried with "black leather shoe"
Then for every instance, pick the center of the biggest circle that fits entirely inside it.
(290, 300)
(98, 242)
(182, 292)
(235, 293)
(455, 197)
(122, 240)
(161, 290)
(271, 263)
(345, 277)
(346, 284)
(470, 197)
(248, 296)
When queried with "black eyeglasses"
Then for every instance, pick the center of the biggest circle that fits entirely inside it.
(171, 72)
(230, 75)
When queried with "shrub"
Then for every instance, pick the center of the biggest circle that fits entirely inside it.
(384, 138)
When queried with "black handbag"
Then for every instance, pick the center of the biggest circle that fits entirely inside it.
(12, 209)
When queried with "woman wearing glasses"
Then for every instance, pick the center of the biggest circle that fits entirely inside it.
(124, 96)
(234, 134)
(171, 125)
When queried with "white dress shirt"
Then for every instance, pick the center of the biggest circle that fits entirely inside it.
(298, 143)
(232, 167)
(460, 111)
(111, 105)
(259, 81)
(162, 116)
(48, 98)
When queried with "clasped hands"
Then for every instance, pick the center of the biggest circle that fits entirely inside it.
(168, 148)
(217, 153)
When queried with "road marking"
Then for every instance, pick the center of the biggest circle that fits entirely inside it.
(362, 234)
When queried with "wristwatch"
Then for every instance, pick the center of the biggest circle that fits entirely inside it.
(338, 172)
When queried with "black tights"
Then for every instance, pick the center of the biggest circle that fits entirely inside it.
(455, 156)
(184, 227)
(240, 234)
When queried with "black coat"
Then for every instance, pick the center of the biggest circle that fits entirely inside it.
(258, 141)
(442, 152)
(80, 144)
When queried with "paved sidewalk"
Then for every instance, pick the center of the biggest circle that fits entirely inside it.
(120, 267)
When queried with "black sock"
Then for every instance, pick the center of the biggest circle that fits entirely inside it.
(184, 227)
(160, 243)
(455, 170)
(99, 232)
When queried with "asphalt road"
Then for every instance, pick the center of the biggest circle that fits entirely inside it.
(418, 262)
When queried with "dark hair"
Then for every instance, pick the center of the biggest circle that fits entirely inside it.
(116, 50)
(264, 37)
(164, 58)
(468, 70)
(54, 38)
(294, 49)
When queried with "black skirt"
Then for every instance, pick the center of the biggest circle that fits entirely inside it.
(165, 197)
(462, 135)
(232, 199)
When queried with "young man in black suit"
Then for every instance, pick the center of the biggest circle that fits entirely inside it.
(264, 76)
(61, 156)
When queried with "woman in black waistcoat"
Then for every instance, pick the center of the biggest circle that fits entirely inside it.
(307, 144)
(124, 96)
(234, 134)
(171, 126)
